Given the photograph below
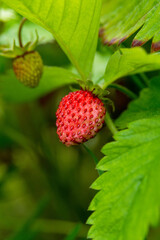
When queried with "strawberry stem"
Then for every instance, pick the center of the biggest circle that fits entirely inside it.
(138, 81)
(93, 157)
(20, 31)
(123, 89)
(145, 78)
(110, 124)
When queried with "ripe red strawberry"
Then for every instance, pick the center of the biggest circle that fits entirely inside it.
(28, 68)
(80, 116)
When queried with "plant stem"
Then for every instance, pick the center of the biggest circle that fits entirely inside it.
(20, 31)
(145, 78)
(123, 89)
(110, 124)
(138, 81)
(93, 157)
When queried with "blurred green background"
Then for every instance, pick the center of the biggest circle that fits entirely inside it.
(45, 186)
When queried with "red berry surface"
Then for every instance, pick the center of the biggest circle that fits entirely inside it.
(80, 116)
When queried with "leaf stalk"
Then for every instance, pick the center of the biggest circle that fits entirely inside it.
(124, 90)
(110, 124)
(20, 32)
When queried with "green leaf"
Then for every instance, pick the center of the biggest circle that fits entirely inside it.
(129, 199)
(3, 64)
(53, 77)
(126, 62)
(146, 106)
(74, 25)
(120, 19)
(99, 65)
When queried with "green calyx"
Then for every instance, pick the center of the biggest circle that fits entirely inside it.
(16, 51)
(94, 88)
(97, 90)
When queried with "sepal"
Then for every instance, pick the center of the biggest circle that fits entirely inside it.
(94, 88)
(16, 51)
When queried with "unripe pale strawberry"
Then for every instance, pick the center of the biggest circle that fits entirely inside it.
(80, 116)
(28, 68)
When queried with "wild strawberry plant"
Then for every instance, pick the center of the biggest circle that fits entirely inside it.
(128, 198)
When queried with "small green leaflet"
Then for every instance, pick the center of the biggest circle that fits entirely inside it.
(53, 77)
(126, 62)
(128, 199)
(120, 19)
(74, 24)
(146, 106)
